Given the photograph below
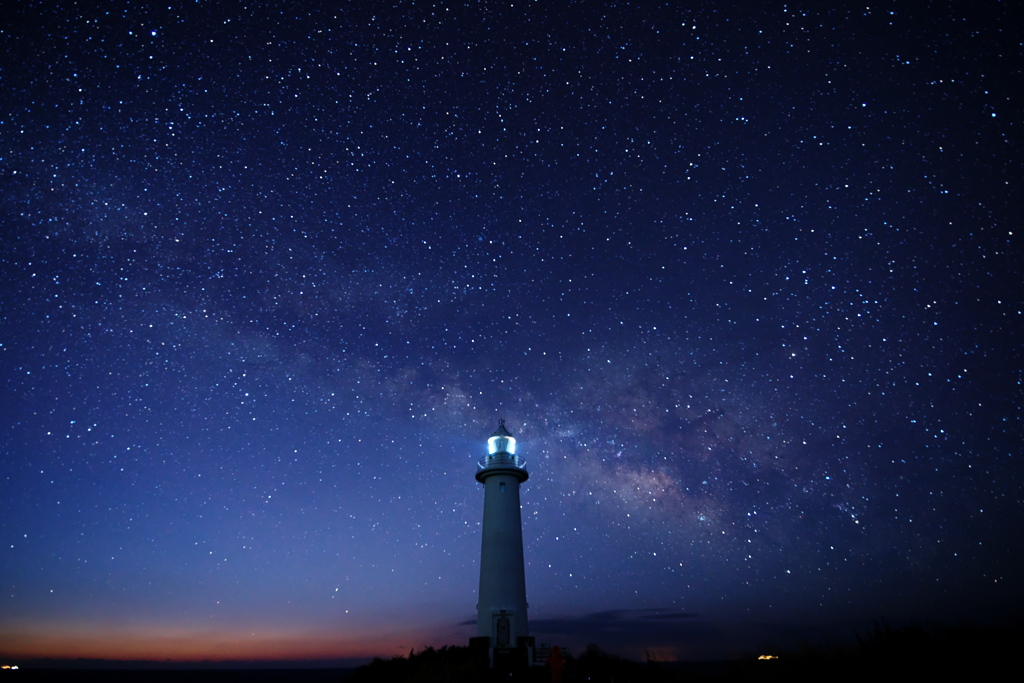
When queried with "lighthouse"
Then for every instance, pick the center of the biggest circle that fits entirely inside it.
(501, 611)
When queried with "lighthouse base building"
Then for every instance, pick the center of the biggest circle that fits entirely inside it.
(502, 625)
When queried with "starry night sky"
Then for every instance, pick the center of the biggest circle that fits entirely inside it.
(744, 279)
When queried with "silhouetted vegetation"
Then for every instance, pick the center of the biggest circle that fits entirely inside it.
(884, 653)
(466, 665)
(450, 664)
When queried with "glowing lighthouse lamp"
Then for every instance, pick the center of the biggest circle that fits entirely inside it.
(501, 623)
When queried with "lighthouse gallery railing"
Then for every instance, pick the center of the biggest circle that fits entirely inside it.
(501, 460)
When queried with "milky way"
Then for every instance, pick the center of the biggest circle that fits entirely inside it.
(743, 281)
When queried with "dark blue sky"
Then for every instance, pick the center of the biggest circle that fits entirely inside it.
(744, 280)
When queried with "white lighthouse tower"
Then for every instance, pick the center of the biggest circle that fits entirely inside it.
(501, 612)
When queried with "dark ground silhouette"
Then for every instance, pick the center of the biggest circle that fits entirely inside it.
(882, 654)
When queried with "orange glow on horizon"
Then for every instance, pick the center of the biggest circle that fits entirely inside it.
(184, 644)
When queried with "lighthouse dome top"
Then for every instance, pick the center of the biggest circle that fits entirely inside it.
(501, 457)
(501, 441)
